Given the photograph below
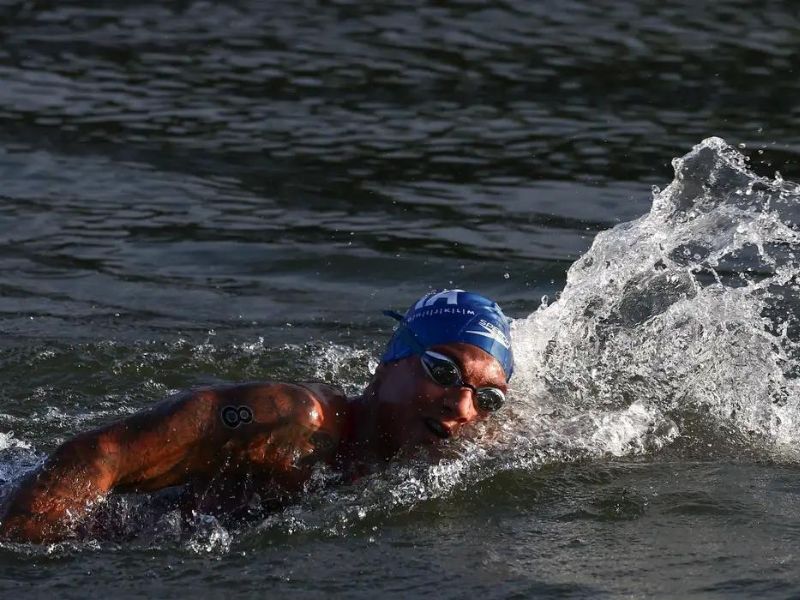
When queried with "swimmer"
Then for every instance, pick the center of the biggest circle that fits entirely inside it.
(446, 366)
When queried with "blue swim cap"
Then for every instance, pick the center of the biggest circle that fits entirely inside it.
(452, 316)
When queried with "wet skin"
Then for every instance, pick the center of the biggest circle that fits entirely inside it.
(228, 444)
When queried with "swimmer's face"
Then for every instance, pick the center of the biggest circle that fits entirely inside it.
(415, 410)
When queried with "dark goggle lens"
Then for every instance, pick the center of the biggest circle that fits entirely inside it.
(489, 399)
(446, 373)
(441, 371)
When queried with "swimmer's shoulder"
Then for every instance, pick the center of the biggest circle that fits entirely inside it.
(331, 428)
(319, 411)
(324, 392)
(331, 400)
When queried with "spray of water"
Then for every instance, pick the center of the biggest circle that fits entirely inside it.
(683, 322)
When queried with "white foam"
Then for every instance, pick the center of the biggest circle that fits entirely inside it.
(691, 308)
(7, 440)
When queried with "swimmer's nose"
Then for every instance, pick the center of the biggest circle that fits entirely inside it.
(459, 406)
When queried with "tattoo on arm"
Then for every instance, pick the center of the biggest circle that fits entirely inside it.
(233, 416)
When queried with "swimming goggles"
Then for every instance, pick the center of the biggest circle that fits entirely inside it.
(443, 371)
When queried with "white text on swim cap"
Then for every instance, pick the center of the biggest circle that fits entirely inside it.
(492, 332)
(432, 312)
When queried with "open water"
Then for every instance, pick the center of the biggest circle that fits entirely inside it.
(199, 192)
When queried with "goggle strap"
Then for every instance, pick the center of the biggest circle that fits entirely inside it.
(405, 331)
(394, 314)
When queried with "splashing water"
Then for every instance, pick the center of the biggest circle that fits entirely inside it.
(681, 322)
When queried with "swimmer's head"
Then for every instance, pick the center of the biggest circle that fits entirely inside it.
(448, 317)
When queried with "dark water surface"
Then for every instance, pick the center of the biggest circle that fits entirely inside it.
(193, 192)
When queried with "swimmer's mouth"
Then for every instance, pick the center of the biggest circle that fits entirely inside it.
(438, 429)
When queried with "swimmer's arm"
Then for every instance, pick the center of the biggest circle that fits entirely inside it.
(150, 448)
(48, 501)
(168, 445)
(269, 425)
